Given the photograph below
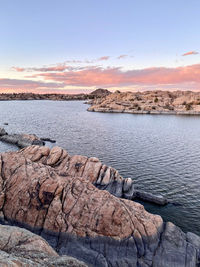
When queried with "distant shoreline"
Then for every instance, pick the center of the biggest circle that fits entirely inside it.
(147, 112)
(31, 96)
(57, 97)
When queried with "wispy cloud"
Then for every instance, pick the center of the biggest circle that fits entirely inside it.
(122, 56)
(18, 69)
(190, 53)
(43, 69)
(103, 58)
(28, 84)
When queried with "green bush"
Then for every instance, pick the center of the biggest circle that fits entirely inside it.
(188, 106)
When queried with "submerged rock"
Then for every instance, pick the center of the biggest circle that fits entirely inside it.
(46, 139)
(2, 132)
(46, 191)
(157, 199)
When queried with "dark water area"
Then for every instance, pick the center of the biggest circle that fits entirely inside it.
(161, 153)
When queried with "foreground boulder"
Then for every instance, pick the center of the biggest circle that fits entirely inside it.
(19, 247)
(48, 192)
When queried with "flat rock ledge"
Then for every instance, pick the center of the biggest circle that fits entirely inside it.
(22, 140)
(152, 112)
(53, 194)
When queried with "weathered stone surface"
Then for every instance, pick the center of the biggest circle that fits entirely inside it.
(19, 247)
(48, 192)
(91, 169)
(102, 176)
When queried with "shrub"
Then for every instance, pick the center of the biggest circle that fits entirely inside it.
(188, 106)
(156, 100)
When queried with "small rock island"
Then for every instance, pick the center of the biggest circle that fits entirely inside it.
(148, 102)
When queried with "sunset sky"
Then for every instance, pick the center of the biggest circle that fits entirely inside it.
(80, 45)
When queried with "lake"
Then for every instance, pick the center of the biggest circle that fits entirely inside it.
(161, 153)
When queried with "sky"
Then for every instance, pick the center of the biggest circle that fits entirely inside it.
(73, 46)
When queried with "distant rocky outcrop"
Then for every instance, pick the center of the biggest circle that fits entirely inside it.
(149, 102)
(53, 194)
(100, 92)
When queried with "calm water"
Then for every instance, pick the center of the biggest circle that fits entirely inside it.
(160, 152)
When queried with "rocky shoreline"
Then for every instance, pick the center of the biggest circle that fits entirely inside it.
(108, 110)
(119, 187)
(149, 102)
(56, 196)
(56, 97)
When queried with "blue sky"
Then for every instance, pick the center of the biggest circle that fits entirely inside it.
(151, 33)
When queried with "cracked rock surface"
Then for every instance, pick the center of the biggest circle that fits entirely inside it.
(19, 247)
(53, 194)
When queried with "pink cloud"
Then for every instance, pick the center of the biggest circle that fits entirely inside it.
(104, 58)
(18, 69)
(115, 77)
(122, 56)
(43, 69)
(27, 84)
(190, 53)
(55, 68)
